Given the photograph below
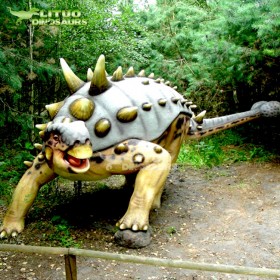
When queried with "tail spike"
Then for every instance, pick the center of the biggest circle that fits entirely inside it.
(199, 118)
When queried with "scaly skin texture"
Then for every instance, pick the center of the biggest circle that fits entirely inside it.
(128, 125)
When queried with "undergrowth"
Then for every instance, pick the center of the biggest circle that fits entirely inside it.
(224, 148)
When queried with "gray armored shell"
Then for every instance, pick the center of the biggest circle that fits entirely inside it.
(131, 108)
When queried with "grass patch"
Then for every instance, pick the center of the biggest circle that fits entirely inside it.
(224, 148)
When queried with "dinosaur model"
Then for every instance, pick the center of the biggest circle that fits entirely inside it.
(124, 124)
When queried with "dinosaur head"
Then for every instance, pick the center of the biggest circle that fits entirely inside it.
(67, 146)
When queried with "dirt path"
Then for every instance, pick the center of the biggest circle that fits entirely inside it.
(226, 215)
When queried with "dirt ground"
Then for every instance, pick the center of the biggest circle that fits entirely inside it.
(226, 215)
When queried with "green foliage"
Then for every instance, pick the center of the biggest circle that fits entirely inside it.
(218, 53)
(11, 169)
(57, 232)
(225, 148)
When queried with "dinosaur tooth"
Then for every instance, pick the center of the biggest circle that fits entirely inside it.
(82, 108)
(147, 106)
(118, 75)
(141, 73)
(38, 146)
(162, 81)
(127, 114)
(162, 102)
(74, 83)
(54, 108)
(89, 74)
(167, 83)
(199, 118)
(146, 82)
(130, 73)
(199, 127)
(102, 127)
(151, 76)
(158, 80)
(175, 87)
(99, 81)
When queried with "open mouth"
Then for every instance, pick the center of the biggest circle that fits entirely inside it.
(77, 165)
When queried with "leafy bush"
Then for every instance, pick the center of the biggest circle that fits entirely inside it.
(225, 148)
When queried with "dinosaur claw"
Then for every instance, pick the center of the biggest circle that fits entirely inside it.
(145, 228)
(3, 234)
(122, 226)
(135, 227)
(14, 234)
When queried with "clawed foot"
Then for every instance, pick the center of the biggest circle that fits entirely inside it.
(11, 227)
(134, 220)
(4, 234)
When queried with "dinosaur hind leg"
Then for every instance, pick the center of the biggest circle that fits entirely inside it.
(172, 140)
(174, 136)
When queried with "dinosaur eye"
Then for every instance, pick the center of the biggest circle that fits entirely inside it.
(55, 137)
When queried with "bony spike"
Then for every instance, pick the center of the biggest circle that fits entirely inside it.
(42, 134)
(54, 108)
(89, 74)
(130, 73)
(38, 146)
(28, 163)
(118, 75)
(141, 73)
(42, 126)
(41, 157)
(199, 118)
(151, 76)
(99, 81)
(74, 82)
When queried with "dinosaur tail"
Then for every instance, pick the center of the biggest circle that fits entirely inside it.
(200, 127)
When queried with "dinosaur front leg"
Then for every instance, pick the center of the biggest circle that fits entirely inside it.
(155, 166)
(24, 195)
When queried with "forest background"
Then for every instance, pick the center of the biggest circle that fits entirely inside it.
(222, 54)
